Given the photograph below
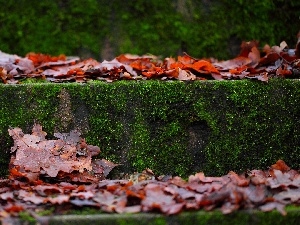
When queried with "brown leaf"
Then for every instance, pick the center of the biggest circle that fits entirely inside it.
(257, 177)
(233, 63)
(3, 75)
(273, 205)
(269, 59)
(45, 190)
(58, 199)
(254, 55)
(49, 157)
(110, 202)
(30, 196)
(84, 202)
(185, 75)
(279, 179)
(263, 77)
(238, 180)
(284, 70)
(246, 47)
(256, 194)
(289, 196)
(105, 164)
(280, 165)
(215, 198)
(83, 195)
(228, 207)
(7, 195)
(155, 198)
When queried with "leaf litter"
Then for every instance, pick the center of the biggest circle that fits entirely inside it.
(62, 174)
(253, 62)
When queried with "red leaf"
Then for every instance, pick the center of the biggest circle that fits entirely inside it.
(268, 59)
(280, 165)
(13, 208)
(246, 48)
(284, 70)
(39, 58)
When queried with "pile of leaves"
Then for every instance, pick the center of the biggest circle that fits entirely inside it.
(252, 62)
(60, 173)
(67, 158)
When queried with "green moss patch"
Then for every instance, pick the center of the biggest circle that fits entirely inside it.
(171, 127)
(188, 218)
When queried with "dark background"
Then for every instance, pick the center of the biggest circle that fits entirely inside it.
(103, 29)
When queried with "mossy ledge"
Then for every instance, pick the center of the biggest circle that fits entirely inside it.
(242, 217)
(171, 127)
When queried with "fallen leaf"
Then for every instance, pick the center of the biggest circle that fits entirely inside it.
(68, 156)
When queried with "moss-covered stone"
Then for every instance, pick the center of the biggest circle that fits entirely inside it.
(186, 218)
(171, 127)
(212, 28)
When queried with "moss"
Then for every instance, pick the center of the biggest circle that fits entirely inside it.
(21, 107)
(171, 127)
(158, 130)
(83, 211)
(46, 212)
(249, 217)
(241, 217)
(201, 28)
(32, 81)
(26, 218)
(248, 109)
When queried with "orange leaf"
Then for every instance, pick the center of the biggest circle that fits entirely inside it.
(141, 64)
(283, 70)
(176, 65)
(280, 165)
(13, 208)
(204, 65)
(254, 55)
(172, 72)
(149, 74)
(238, 70)
(14, 172)
(186, 59)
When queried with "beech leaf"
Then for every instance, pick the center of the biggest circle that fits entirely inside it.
(68, 156)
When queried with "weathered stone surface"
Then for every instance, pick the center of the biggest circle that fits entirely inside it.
(171, 127)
